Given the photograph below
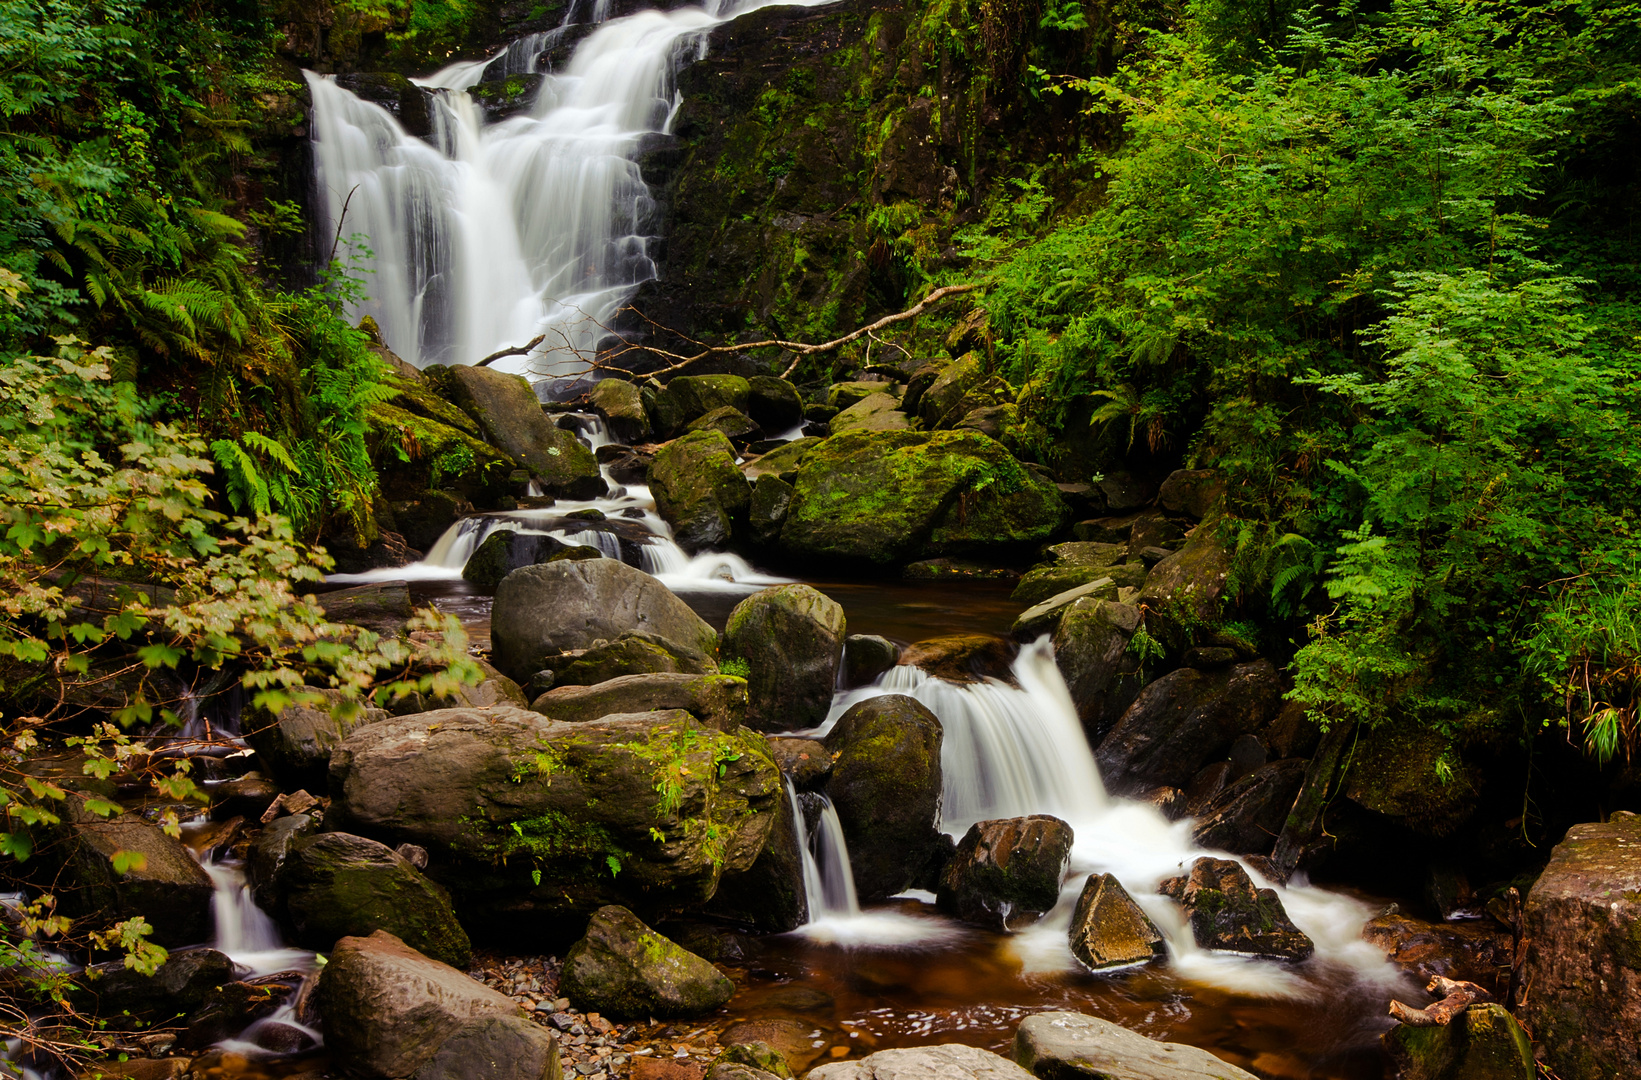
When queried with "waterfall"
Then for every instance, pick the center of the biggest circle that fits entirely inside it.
(244, 932)
(828, 879)
(538, 224)
(1013, 750)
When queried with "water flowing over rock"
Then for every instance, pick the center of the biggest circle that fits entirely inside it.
(541, 611)
(388, 1009)
(536, 815)
(886, 787)
(791, 639)
(1583, 969)
(336, 885)
(1071, 1046)
(1006, 874)
(1228, 913)
(623, 968)
(1108, 929)
(949, 1061)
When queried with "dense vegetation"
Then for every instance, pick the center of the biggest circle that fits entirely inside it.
(1376, 263)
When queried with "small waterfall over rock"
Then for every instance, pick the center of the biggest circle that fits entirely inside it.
(538, 224)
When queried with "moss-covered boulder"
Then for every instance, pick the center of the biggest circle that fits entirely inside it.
(337, 885)
(547, 610)
(1108, 929)
(1005, 874)
(414, 455)
(1229, 914)
(783, 461)
(892, 497)
(688, 397)
(774, 403)
(886, 784)
(510, 416)
(502, 98)
(1185, 589)
(874, 412)
(717, 701)
(771, 500)
(769, 895)
(530, 815)
(1484, 1042)
(1093, 650)
(791, 639)
(735, 425)
(946, 401)
(1041, 584)
(506, 550)
(622, 968)
(1393, 772)
(628, 654)
(699, 490)
(622, 407)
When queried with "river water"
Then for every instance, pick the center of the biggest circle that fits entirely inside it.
(487, 235)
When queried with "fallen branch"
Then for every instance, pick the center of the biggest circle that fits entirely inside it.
(516, 350)
(1457, 996)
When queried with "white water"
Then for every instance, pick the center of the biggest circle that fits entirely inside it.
(1009, 751)
(538, 224)
(244, 932)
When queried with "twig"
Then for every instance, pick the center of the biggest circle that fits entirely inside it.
(516, 350)
(340, 218)
(1458, 996)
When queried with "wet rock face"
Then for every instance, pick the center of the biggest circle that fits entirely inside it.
(499, 796)
(181, 984)
(504, 551)
(1246, 817)
(699, 490)
(774, 404)
(768, 896)
(950, 1061)
(623, 968)
(1583, 919)
(866, 657)
(337, 885)
(1071, 1046)
(690, 397)
(492, 1048)
(1108, 929)
(1471, 950)
(510, 96)
(960, 658)
(542, 611)
(1091, 649)
(791, 639)
(508, 413)
(1229, 914)
(886, 784)
(387, 1009)
(1482, 1043)
(1006, 873)
(1183, 720)
(622, 407)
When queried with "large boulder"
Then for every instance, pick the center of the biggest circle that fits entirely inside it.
(1193, 492)
(629, 654)
(622, 968)
(784, 461)
(296, 743)
(510, 416)
(769, 896)
(886, 785)
(649, 810)
(493, 1047)
(1071, 1046)
(387, 1009)
(948, 1061)
(874, 412)
(691, 396)
(1484, 1042)
(543, 611)
(1044, 618)
(180, 985)
(1094, 652)
(622, 407)
(791, 639)
(699, 490)
(1109, 929)
(1583, 969)
(267, 856)
(429, 469)
(717, 701)
(1183, 720)
(1247, 816)
(1185, 589)
(1227, 913)
(732, 424)
(1006, 873)
(947, 399)
(506, 550)
(121, 867)
(892, 497)
(774, 403)
(337, 885)
(493, 688)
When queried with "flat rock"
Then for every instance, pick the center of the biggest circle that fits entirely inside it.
(1071, 1046)
(718, 701)
(949, 1061)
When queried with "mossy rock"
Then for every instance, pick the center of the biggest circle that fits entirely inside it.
(886, 784)
(629, 654)
(791, 639)
(501, 98)
(771, 499)
(337, 885)
(783, 461)
(1397, 770)
(774, 404)
(1039, 585)
(845, 395)
(1482, 1043)
(941, 404)
(735, 425)
(508, 413)
(624, 969)
(699, 490)
(414, 454)
(622, 407)
(874, 412)
(506, 550)
(894, 497)
(691, 396)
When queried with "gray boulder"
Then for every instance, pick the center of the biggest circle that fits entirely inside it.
(510, 416)
(717, 701)
(168, 888)
(1006, 874)
(1183, 720)
(623, 968)
(948, 1061)
(629, 654)
(1108, 929)
(791, 638)
(886, 783)
(268, 853)
(1071, 1046)
(866, 657)
(337, 885)
(494, 1048)
(774, 403)
(542, 611)
(700, 491)
(387, 1009)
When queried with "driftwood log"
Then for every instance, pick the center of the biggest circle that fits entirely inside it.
(1457, 996)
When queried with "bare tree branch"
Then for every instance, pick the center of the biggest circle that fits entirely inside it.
(516, 350)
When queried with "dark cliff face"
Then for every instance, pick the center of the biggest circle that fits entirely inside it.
(821, 159)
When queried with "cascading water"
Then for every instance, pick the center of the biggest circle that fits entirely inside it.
(534, 225)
